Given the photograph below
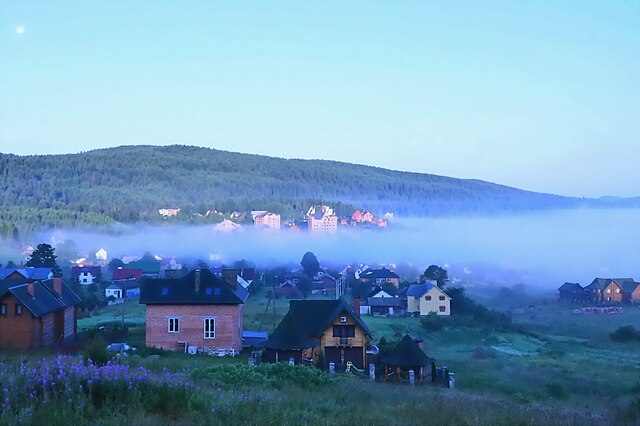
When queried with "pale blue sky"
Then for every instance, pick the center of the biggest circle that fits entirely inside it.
(541, 95)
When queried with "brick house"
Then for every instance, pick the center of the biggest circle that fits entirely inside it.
(198, 309)
(322, 219)
(34, 314)
(605, 290)
(312, 327)
(267, 220)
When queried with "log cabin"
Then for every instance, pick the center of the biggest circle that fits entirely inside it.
(313, 330)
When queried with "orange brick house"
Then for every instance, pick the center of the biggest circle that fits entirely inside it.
(34, 314)
(606, 290)
(198, 309)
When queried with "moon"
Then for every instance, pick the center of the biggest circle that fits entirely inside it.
(20, 29)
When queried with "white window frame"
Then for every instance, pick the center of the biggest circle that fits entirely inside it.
(209, 334)
(176, 324)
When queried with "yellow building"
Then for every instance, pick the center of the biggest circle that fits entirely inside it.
(427, 298)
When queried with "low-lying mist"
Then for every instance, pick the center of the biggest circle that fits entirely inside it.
(544, 249)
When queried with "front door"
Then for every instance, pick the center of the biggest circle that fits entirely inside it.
(341, 355)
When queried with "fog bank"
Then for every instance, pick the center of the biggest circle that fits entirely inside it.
(543, 248)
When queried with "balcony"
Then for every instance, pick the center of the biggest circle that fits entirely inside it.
(344, 341)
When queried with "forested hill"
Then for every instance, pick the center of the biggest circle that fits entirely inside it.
(130, 183)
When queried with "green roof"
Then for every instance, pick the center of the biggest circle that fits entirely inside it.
(147, 266)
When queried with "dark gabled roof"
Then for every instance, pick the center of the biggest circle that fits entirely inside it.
(69, 297)
(91, 269)
(124, 284)
(419, 290)
(629, 286)
(393, 302)
(377, 289)
(289, 335)
(32, 273)
(407, 353)
(44, 299)
(602, 283)
(570, 287)
(182, 291)
(379, 273)
(308, 319)
(126, 273)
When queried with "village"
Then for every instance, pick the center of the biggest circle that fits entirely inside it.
(324, 315)
(317, 219)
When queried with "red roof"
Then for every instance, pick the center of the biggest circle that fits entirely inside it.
(126, 273)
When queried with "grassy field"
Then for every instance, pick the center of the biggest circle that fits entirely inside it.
(562, 361)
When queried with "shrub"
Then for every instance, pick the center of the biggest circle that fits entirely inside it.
(626, 333)
(432, 322)
(97, 352)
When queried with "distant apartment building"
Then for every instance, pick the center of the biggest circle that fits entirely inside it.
(267, 220)
(322, 219)
(168, 212)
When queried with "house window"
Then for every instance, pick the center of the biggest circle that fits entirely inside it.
(3, 310)
(608, 290)
(344, 331)
(443, 309)
(441, 297)
(18, 309)
(618, 290)
(174, 325)
(427, 298)
(209, 328)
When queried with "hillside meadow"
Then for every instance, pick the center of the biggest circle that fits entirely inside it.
(558, 364)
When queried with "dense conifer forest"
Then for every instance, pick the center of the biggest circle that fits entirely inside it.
(130, 183)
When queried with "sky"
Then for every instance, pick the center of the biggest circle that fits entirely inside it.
(540, 95)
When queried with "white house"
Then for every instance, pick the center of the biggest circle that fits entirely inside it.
(427, 298)
(101, 255)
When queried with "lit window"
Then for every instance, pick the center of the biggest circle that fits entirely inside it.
(3, 309)
(608, 290)
(174, 325)
(209, 328)
(18, 309)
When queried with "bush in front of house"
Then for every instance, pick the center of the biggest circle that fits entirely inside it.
(275, 375)
(626, 333)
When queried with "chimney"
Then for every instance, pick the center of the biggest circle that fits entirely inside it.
(31, 289)
(356, 305)
(197, 271)
(57, 284)
(420, 343)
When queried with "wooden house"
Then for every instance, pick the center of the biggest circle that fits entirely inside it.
(34, 314)
(315, 327)
(198, 309)
(572, 292)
